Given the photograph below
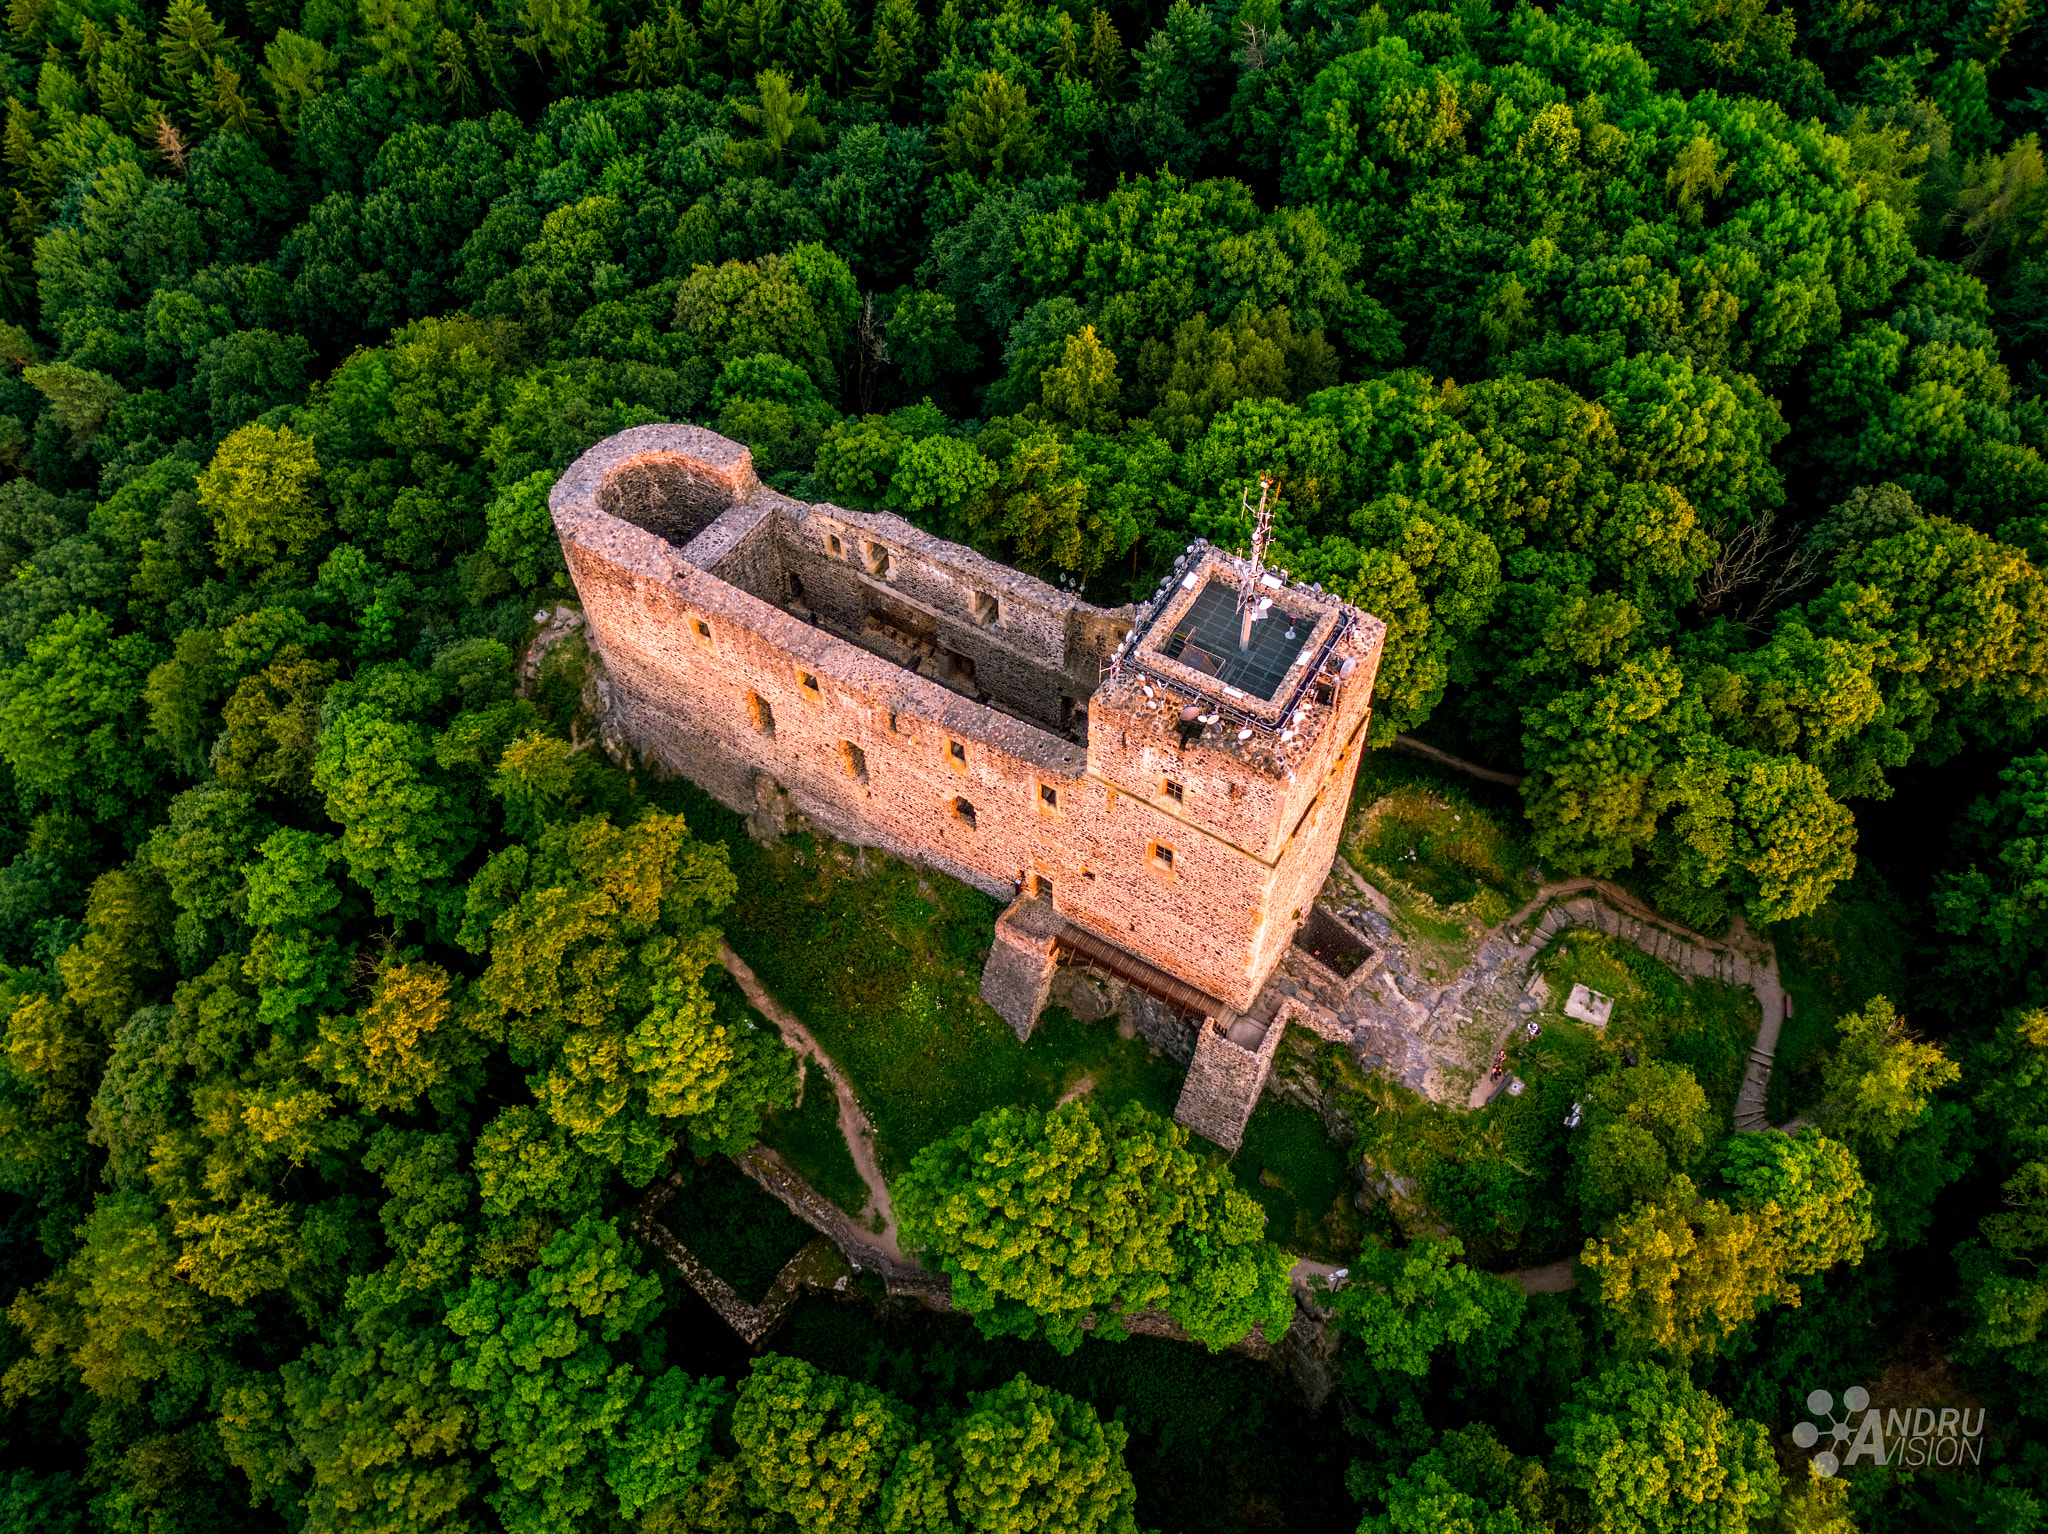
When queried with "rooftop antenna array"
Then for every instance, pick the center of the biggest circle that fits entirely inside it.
(1249, 602)
(1279, 734)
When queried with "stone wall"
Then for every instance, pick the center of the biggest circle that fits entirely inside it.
(710, 676)
(817, 1266)
(901, 1278)
(1158, 1024)
(993, 632)
(741, 547)
(1019, 972)
(1225, 1080)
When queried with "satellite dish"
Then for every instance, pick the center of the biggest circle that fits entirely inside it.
(1190, 714)
(1347, 668)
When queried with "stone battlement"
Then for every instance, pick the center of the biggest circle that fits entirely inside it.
(1156, 783)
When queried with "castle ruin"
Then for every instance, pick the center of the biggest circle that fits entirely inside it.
(1159, 789)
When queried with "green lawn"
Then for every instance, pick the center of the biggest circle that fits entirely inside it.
(882, 962)
(1708, 1026)
(1302, 1178)
(1831, 963)
(808, 1138)
(1445, 850)
(1438, 832)
(738, 1230)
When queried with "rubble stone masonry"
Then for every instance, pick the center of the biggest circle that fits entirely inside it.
(907, 693)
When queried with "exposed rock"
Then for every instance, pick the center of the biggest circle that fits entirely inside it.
(1082, 994)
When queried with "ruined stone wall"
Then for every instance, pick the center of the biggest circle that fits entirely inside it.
(723, 707)
(672, 481)
(740, 547)
(993, 630)
(1224, 1081)
(745, 697)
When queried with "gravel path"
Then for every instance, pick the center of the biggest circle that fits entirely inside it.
(853, 1124)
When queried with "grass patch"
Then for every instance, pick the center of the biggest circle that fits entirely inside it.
(882, 962)
(1301, 1178)
(920, 1075)
(1832, 963)
(1447, 853)
(808, 1137)
(739, 1231)
(1429, 835)
(1708, 1026)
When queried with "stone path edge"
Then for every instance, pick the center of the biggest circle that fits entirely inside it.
(853, 1123)
(1763, 979)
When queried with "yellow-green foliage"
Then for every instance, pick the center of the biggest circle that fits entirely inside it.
(262, 491)
(1683, 1272)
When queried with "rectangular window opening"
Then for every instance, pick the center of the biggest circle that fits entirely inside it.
(956, 755)
(985, 609)
(856, 760)
(1172, 790)
(834, 547)
(1162, 857)
(964, 811)
(1044, 887)
(1048, 796)
(878, 561)
(762, 715)
(1088, 874)
(809, 684)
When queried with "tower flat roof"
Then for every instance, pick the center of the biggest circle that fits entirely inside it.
(1206, 637)
(1186, 638)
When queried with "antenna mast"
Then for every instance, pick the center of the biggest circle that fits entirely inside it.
(1262, 534)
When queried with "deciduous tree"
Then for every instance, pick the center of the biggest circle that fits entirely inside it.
(1046, 1220)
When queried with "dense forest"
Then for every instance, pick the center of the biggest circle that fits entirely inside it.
(1668, 376)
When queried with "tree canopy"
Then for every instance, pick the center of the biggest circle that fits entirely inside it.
(1057, 1223)
(1668, 379)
